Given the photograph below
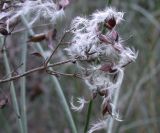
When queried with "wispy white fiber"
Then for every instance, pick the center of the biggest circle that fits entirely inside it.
(34, 10)
(108, 13)
(97, 41)
(101, 124)
(81, 102)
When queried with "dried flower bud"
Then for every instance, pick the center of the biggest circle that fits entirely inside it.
(110, 24)
(106, 107)
(103, 92)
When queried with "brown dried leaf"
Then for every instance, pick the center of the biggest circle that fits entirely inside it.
(37, 38)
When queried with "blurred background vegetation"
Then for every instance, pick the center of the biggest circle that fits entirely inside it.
(139, 99)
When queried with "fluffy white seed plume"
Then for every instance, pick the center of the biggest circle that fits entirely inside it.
(81, 102)
(115, 113)
(101, 124)
(107, 14)
(39, 10)
(85, 35)
(96, 41)
(36, 11)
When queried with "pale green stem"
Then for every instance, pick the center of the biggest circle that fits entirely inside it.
(23, 88)
(5, 122)
(111, 120)
(109, 2)
(88, 116)
(115, 102)
(12, 89)
(56, 83)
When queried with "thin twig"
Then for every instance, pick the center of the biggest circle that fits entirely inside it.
(56, 73)
(59, 43)
(12, 72)
(35, 70)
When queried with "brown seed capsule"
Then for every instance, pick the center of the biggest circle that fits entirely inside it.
(110, 23)
(106, 107)
(103, 92)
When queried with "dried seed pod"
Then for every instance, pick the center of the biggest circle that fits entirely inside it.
(103, 92)
(106, 107)
(110, 24)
